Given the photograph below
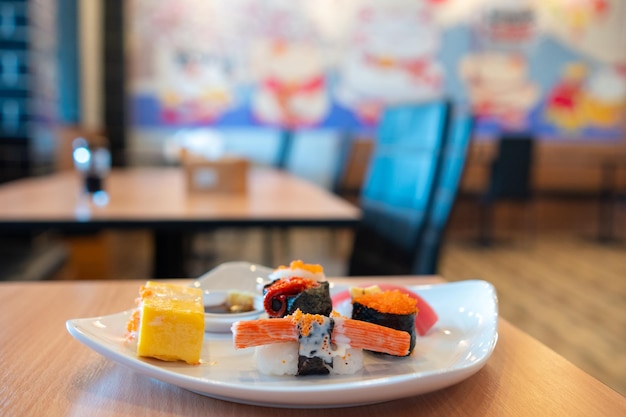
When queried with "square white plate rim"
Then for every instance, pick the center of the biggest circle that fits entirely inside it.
(456, 348)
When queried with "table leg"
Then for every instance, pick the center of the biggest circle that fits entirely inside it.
(169, 254)
(268, 246)
(607, 203)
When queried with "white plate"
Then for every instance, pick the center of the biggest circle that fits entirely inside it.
(454, 349)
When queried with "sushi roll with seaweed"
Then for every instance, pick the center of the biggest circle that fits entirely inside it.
(425, 319)
(393, 309)
(299, 286)
(312, 344)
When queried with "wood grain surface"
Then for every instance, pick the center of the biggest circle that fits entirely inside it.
(46, 372)
(144, 195)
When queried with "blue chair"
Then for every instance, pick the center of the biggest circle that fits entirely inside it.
(398, 190)
(454, 157)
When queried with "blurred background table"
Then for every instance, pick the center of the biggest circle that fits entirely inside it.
(158, 199)
(47, 372)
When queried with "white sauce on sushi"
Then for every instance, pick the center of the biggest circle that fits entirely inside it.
(338, 357)
(317, 343)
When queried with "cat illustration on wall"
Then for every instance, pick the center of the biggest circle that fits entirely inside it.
(499, 87)
(582, 98)
(391, 58)
(194, 87)
(291, 88)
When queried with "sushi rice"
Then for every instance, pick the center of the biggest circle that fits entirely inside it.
(282, 359)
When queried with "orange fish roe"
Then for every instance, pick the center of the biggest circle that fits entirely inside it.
(133, 322)
(305, 321)
(298, 264)
(144, 293)
(392, 302)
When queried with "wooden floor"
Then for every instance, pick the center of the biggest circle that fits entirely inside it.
(567, 291)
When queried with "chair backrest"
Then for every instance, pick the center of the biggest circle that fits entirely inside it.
(452, 166)
(511, 170)
(354, 156)
(398, 189)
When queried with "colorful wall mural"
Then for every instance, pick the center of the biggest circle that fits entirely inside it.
(556, 67)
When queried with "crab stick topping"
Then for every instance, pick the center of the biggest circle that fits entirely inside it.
(358, 334)
(251, 333)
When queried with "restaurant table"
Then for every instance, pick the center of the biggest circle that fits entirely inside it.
(46, 372)
(157, 198)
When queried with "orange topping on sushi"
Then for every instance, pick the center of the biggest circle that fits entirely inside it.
(133, 322)
(392, 302)
(304, 322)
(298, 264)
(335, 313)
(144, 292)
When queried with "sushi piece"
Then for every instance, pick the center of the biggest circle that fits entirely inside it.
(298, 268)
(168, 323)
(323, 344)
(393, 309)
(424, 320)
(297, 286)
(286, 295)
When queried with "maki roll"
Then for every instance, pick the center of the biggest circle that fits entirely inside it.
(425, 319)
(286, 295)
(393, 309)
(297, 286)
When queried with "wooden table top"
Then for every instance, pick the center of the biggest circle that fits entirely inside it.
(152, 195)
(46, 372)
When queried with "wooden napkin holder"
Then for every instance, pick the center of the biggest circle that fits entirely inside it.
(223, 175)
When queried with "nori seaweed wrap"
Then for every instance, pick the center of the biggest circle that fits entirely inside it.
(286, 295)
(315, 345)
(390, 309)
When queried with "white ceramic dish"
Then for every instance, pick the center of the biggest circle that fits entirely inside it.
(243, 276)
(457, 347)
(222, 322)
(216, 283)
